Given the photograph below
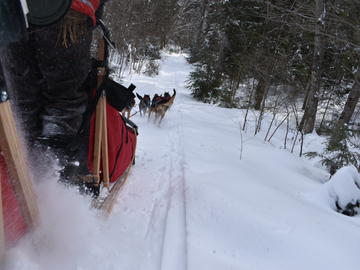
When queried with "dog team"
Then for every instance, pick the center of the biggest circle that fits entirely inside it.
(158, 105)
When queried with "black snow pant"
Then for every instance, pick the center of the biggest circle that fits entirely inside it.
(45, 81)
(2, 79)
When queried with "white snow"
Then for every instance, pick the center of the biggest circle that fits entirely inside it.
(343, 189)
(191, 203)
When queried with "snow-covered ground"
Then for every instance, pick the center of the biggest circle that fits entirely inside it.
(192, 203)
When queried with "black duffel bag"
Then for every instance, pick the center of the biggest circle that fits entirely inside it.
(117, 95)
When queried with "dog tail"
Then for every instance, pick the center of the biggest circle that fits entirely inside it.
(174, 92)
(139, 97)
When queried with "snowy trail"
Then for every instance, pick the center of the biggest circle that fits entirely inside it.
(190, 203)
(175, 248)
(167, 226)
(165, 232)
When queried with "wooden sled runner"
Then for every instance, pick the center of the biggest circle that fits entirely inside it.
(109, 202)
(18, 205)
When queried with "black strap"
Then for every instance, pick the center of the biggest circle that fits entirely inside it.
(130, 123)
(89, 86)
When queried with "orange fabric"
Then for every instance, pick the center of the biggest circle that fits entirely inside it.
(88, 7)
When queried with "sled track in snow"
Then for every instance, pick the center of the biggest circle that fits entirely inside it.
(167, 228)
(156, 228)
(175, 235)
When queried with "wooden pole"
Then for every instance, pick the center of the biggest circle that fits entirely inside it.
(17, 166)
(104, 145)
(98, 139)
(101, 141)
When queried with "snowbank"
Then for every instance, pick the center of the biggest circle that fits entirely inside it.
(342, 191)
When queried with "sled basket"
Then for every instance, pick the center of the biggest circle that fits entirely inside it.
(121, 144)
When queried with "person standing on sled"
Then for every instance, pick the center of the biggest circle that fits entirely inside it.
(46, 72)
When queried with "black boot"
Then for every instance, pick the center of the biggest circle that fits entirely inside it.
(73, 164)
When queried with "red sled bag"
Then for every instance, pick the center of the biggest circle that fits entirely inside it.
(121, 143)
(121, 133)
(13, 220)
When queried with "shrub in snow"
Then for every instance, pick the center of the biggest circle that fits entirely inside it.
(340, 149)
(205, 83)
(344, 188)
(152, 68)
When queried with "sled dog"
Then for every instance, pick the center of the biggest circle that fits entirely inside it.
(144, 104)
(127, 110)
(160, 107)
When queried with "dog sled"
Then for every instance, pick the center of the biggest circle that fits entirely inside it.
(112, 146)
(112, 136)
(111, 153)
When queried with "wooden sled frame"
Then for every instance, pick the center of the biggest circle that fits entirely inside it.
(101, 152)
(101, 146)
(108, 204)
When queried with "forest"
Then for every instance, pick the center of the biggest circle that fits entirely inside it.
(296, 59)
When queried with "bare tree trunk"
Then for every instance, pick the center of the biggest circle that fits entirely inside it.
(259, 93)
(234, 90)
(325, 112)
(223, 45)
(352, 100)
(306, 94)
(204, 21)
(262, 111)
(340, 127)
(295, 111)
(277, 127)
(287, 130)
(270, 126)
(308, 121)
(248, 105)
(294, 142)
(301, 143)
(274, 116)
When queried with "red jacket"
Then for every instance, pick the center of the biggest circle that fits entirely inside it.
(87, 7)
